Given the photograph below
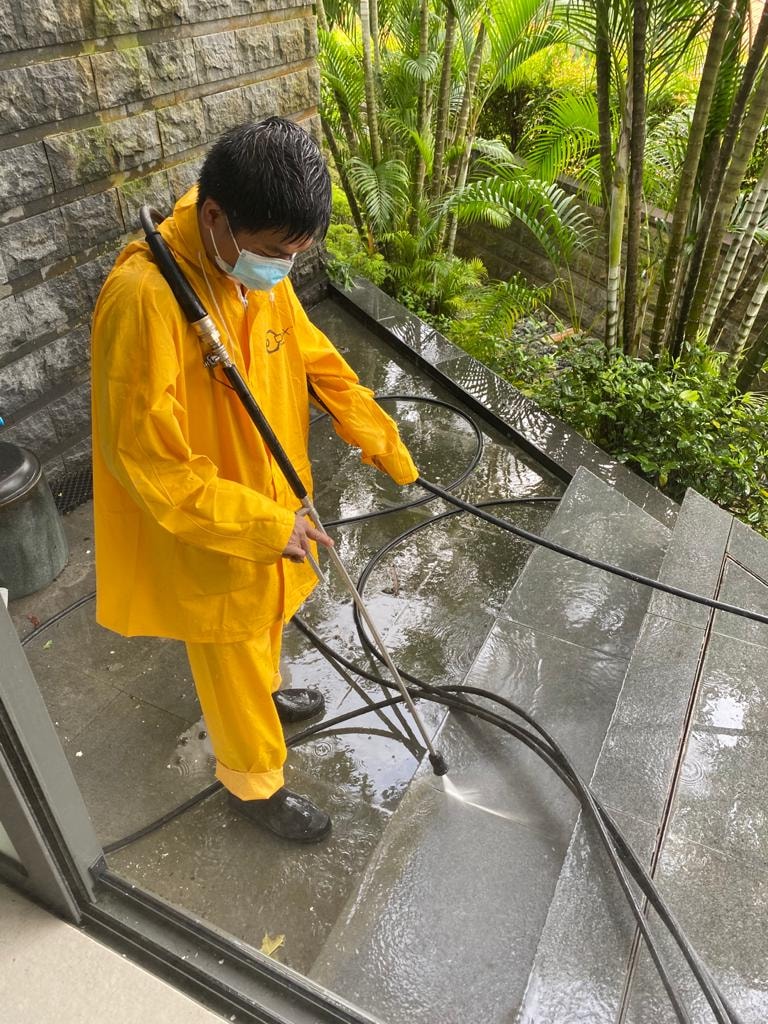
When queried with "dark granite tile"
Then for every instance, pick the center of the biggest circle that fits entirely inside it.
(584, 605)
(569, 690)
(721, 904)
(739, 587)
(125, 763)
(694, 559)
(732, 692)
(749, 548)
(369, 299)
(581, 961)
(634, 769)
(451, 891)
(224, 869)
(721, 799)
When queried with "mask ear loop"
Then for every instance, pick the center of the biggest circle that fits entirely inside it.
(234, 240)
(219, 257)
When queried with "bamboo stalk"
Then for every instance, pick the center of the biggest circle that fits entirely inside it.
(443, 104)
(673, 265)
(603, 83)
(753, 361)
(738, 142)
(748, 322)
(733, 178)
(728, 310)
(733, 265)
(636, 156)
(370, 86)
(616, 234)
(357, 217)
(457, 174)
(374, 18)
(420, 169)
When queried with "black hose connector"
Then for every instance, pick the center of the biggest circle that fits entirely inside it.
(439, 767)
(184, 293)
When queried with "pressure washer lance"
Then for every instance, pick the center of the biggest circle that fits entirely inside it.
(215, 354)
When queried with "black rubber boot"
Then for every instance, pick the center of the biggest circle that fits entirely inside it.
(296, 705)
(287, 814)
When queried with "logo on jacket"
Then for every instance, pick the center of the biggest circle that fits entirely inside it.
(275, 339)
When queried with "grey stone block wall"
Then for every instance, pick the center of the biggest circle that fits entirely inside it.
(105, 105)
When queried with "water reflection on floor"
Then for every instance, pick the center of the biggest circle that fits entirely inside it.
(129, 721)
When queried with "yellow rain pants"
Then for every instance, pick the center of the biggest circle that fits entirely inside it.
(235, 683)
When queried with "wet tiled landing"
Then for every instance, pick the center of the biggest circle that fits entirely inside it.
(129, 721)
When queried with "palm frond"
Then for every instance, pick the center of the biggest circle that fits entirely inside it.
(568, 133)
(553, 217)
(382, 191)
(423, 68)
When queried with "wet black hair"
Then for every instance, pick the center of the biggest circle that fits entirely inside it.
(269, 174)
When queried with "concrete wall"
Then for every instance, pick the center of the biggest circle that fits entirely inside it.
(105, 105)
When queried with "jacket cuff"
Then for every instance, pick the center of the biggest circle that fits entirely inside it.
(398, 464)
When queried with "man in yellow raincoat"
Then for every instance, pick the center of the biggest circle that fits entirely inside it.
(197, 536)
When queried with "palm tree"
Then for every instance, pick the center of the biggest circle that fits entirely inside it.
(415, 164)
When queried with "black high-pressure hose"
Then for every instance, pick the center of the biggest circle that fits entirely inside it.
(455, 697)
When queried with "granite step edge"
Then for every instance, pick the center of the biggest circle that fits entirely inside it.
(605, 929)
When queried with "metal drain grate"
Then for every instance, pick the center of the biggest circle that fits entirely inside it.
(72, 490)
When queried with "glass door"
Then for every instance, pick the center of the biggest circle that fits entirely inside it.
(47, 842)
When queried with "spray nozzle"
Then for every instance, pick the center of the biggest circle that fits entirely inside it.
(439, 767)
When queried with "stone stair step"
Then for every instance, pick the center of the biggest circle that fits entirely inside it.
(447, 918)
(682, 766)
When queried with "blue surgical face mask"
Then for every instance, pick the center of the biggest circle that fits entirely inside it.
(254, 272)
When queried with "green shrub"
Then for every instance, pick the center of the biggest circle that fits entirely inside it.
(681, 425)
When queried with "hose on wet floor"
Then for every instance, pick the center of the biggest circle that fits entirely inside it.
(464, 699)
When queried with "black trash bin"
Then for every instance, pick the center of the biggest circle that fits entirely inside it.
(33, 548)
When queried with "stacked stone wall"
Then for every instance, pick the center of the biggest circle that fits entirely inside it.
(105, 105)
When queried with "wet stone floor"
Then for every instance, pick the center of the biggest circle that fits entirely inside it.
(129, 721)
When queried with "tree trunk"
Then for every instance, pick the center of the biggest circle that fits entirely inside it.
(753, 361)
(738, 143)
(322, 20)
(370, 86)
(636, 155)
(443, 105)
(365, 235)
(673, 264)
(733, 265)
(420, 169)
(616, 234)
(603, 76)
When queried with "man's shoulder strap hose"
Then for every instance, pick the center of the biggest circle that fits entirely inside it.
(215, 354)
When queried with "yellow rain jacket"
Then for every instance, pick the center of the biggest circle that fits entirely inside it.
(191, 514)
